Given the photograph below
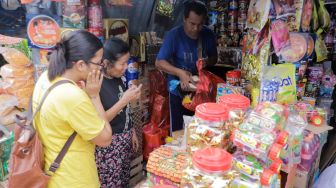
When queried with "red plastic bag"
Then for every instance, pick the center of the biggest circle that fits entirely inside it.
(153, 138)
(160, 110)
(206, 88)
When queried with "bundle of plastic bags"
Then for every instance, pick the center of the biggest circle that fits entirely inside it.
(17, 76)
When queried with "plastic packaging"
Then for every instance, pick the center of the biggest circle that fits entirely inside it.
(12, 71)
(258, 14)
(307, 14)
(210, 168)
(15, 57)
(254, 170)
(323, 15)
(280, 35)
(286, 75)
(209, 127)
(7, 104)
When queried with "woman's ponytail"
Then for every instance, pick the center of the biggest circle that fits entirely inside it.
(57, 62)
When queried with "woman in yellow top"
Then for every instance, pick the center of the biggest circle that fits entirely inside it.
(69, 108)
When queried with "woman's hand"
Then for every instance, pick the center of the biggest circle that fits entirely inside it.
(132, 94)
(93, 83)
(135, 141)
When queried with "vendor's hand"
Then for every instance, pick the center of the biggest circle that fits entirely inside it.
(185, 79)
(135, 141)
(132, 94)
(93, 83)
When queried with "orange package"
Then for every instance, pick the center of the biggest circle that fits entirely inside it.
(14, 57)
(9, 70)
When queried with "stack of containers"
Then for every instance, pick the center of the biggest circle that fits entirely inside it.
(242, 14)
(260, 140)
(233, 20)
(95, 19)
(208, 128)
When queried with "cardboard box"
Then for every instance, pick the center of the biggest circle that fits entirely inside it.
(116, 28)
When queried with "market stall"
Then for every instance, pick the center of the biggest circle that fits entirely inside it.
(262, 113)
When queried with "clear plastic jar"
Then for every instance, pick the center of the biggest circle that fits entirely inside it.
(208, 128)
(210, 167)
(237, 106)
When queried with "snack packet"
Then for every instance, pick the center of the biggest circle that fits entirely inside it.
(285, 74)
(280, 35)
(306, 15)
(284, 8)
(258, 14)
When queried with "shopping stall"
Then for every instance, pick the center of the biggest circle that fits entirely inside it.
(263, 113)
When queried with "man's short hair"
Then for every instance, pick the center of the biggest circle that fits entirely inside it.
(196, 6)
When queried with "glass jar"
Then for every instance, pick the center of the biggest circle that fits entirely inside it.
(237, 105)
(208, 128)
(210, 167)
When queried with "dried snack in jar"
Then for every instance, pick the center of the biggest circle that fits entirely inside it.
(208, 129)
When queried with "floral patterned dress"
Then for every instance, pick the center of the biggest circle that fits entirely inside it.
(113, 162)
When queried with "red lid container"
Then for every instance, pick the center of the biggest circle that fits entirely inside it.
(212, 112)
(266, 177)
(235, 101)
(212, 160)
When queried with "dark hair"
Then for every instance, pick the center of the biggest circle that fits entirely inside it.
(78, 45)
(114, 48)
(196, 6)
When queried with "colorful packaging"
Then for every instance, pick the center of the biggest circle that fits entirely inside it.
(286, 75)
(225, 89)
(315, 75)
(74, 15)
(280, 35)
(258, 14)
(307, 15)
(284, 8)
(320, 47)
(297, 49)
(294, 21)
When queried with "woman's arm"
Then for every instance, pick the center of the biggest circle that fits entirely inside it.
(131, 94)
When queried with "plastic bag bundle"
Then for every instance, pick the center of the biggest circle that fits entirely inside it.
(18, 76)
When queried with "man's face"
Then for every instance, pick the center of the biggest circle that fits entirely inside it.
(193, 24)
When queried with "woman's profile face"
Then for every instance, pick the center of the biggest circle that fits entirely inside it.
(119, 68)
(95, 63)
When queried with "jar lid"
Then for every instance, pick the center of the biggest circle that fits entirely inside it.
(212, 160)
(212, 112)
(235, 101)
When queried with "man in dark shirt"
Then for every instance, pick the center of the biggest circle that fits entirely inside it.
(178, 55)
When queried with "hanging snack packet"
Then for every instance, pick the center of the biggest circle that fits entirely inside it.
(280, 35)
(307, 15)
(294, 21)
(323, 16)
(315, 20)
(285, 73)
(258, 14)
(320, 47)
(284, 8)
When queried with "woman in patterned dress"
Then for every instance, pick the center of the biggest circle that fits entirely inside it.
(113, 162)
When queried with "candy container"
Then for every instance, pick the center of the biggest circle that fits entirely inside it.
(262, 144)
(210, 168)
(208, 129)
(237, 106)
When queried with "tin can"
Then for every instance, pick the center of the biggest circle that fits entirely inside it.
(233, 77)
(132, 72)
(233, 5)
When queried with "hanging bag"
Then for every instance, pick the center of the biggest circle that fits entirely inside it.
(27, 157)
(206, 90)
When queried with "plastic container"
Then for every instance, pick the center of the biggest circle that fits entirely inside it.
(309, 151)
(209, 167)
(238, 106)
(208, 128)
